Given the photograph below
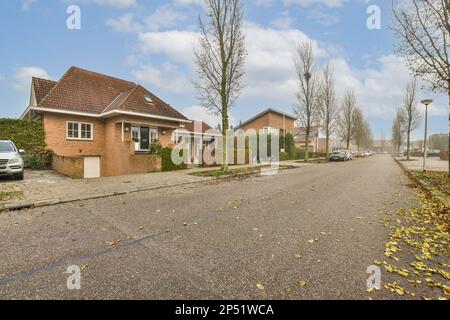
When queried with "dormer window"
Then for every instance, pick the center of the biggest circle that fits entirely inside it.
(148, 99)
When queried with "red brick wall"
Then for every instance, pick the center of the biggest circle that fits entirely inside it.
(69, 166)
(56, 136)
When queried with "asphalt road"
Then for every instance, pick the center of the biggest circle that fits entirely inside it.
(216, 240)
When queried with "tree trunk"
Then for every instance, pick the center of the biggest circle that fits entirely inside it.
(449, 133)
(307, 146)
(408, 141)
(224, 140)
(327, 146)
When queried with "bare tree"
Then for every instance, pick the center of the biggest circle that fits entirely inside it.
(347, 118)
(220, 61)
(307, 107)
(423, 30)
(329, 108)
(410, 114)
(398, 132)
(363, 132)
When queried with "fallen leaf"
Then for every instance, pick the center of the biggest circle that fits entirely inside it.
(302, 283)
(260, 286)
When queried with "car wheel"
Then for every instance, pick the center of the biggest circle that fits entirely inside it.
(19, 176)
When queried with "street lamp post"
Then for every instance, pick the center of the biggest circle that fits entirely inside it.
(426, 103)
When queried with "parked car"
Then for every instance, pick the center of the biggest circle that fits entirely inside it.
(340, 156)
(11, 162)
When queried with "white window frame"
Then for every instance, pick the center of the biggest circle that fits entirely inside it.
(149, 133)
(79, 138)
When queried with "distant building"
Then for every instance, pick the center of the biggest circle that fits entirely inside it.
(381, 146)
(268, 120)
(314, 144)
(438, 142)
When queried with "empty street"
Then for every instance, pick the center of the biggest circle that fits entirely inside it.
(252, 238)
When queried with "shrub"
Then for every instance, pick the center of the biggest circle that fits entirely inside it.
(284, 156)
(38, 159)
(155, 148)
(300, 154)
(25, 134)
(34, 163)
(167, 164)
(287, 142)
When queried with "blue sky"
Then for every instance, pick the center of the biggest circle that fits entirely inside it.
(151, 43)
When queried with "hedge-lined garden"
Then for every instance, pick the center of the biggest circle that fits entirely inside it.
(29, 136)
(167, 164)
(25, 134)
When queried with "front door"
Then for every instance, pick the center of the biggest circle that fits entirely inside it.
(145, 138)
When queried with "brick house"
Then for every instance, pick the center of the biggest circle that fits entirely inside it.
(98, 125)
(270, 119)
(201, 135)
(314, 144)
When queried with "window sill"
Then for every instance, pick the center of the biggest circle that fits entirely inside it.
(75, 139)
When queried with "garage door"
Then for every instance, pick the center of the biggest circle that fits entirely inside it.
(91, 167)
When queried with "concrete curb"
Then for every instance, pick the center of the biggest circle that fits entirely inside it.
(52, 202)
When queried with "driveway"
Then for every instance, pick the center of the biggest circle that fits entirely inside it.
(306, 233)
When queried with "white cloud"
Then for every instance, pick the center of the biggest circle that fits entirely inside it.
(116, 3)
(166, 76)
(26, 4)
(124, 23)
(308, 3)
(162, 17)
(200, 113)
(284, 21)
(22, 77)
(263, 3)
(177, 45)
(120, 4)
(190, 2)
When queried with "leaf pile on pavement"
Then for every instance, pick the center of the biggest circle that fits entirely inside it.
(422, 234)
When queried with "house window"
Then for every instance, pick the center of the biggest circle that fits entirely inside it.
(79, 131)
(153, 134)
(143, 137)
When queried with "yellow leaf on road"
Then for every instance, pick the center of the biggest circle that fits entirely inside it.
(302, 283)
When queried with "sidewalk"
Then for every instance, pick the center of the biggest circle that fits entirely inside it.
(416, 164)
(43, 188)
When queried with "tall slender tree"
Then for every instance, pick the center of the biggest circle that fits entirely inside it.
(347, 119)
(307, 107)
(409, 114)
(423, 31)
(220, 61)
(398, 132)
(329, 107)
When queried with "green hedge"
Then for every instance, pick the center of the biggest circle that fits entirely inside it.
(27, 135)
(167, 164)
(287, 142)
(300, 154)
